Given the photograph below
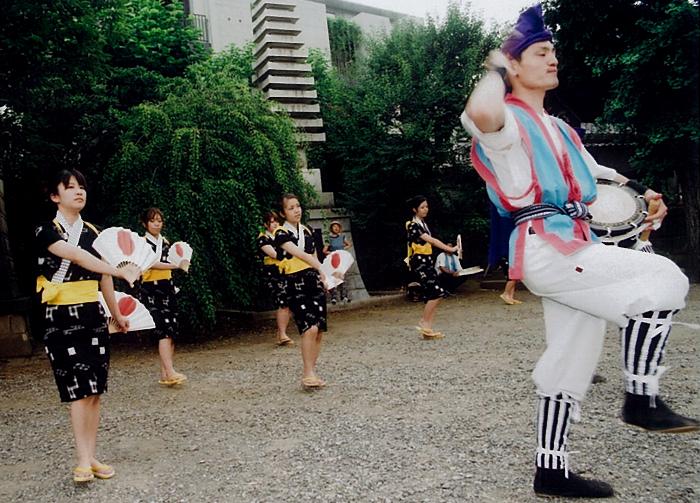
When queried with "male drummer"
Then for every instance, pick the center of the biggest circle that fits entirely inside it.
(537, 170)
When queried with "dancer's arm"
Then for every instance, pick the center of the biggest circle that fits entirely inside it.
(88, 261)
(107, 289)
(437, 243)
(486, 106)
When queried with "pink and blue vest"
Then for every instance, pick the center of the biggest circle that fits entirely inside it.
(556, 179)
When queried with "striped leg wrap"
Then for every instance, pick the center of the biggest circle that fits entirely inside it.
(643, 344)
(554, 417)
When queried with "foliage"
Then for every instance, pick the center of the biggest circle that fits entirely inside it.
(345, 38)
(214, 158)
(393, 131)
(639, 61)
(68, 71)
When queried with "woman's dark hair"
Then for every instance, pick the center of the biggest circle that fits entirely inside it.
(416, 201)
(150, 214)
(270, 216)
(63, 178)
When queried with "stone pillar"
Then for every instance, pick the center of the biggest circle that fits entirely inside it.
(321, 218)
(280, 68)
(282, 73)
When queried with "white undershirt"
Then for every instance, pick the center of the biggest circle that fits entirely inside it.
(510, 162)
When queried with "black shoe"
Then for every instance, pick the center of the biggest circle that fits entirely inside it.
(638, 411)
(554, 483)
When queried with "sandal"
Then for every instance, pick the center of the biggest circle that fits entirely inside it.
(103, 472)
(428, 333)
(312, 383)
(81, 475)
(175, 379)
(509, 301)
(285, 342)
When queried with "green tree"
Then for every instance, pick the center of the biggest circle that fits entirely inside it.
(345, 38)
(214, 158)
(638, 62)
(393, 131)
(68, 71)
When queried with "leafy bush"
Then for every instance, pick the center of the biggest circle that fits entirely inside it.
(214, 158)
(393, 131)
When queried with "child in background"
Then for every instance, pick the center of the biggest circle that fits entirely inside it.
(337, 241)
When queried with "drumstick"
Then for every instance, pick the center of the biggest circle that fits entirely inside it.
(653, 207)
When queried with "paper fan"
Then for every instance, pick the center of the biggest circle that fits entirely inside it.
(120, 246)
(470, 270)
(180, 254)
(337, 261)
(129, 307)
(459, 246)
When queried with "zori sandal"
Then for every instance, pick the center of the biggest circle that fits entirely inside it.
(174, 380)
(312, 383)
(82, 475)
(103, 472)
(428, 333)
(285, 342)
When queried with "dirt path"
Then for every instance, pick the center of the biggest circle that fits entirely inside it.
(402, 419)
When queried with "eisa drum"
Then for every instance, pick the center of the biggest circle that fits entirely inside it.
(617, 214)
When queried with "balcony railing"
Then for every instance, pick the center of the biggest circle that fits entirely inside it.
(201, 22)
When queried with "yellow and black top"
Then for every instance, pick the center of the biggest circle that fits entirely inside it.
(265, 238)
(79, 285)
(417, 246)
(289, 264)
(158, 274)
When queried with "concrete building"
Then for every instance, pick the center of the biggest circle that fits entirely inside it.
(226, 22)
(283, 32)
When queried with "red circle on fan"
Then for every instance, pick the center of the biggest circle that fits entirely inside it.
(125, 243)
(126, 305)
(335, 260)
(178, 249)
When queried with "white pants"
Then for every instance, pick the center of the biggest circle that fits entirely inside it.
(580, 292)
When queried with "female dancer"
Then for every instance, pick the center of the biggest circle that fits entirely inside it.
(73, 322)
(420, 261)
(305, 292)
(273, 276)
(158, 295)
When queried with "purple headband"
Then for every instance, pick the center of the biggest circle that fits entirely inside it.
(528, 29)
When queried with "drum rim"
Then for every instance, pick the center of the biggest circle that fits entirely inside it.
(632, 225)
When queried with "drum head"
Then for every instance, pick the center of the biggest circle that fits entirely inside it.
(617, 210)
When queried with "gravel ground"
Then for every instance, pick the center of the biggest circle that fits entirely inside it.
(402, 419)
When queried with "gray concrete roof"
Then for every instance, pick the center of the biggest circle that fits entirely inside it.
(357, 8)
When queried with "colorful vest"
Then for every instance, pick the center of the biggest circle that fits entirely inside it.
(556, 179)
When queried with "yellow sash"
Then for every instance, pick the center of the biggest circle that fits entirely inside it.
(270, 261)
(61, 294)
(292, 265)
(156, 275)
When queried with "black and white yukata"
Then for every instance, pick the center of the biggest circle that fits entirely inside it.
(305, 293)
(274, 279)
(157, 293)
(73, 322)
(420, 260)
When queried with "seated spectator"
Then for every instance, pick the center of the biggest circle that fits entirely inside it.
(448, 267)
